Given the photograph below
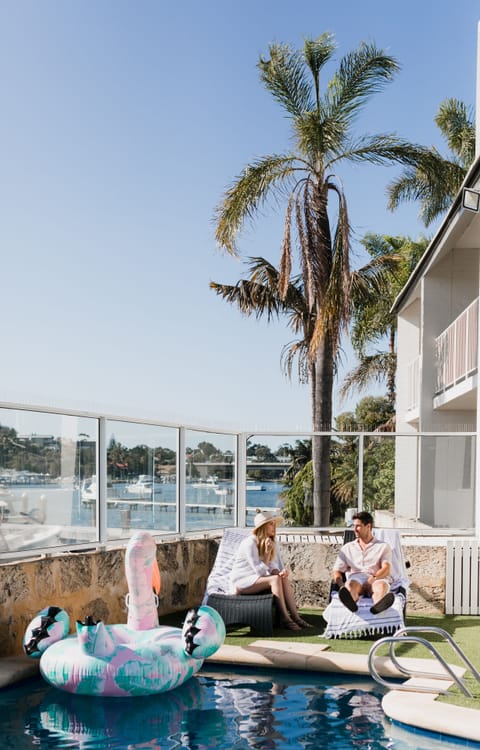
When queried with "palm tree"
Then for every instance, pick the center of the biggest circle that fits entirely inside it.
(321, 130)
(436, 180)
(373, 321)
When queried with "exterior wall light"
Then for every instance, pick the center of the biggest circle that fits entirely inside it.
(471, 199)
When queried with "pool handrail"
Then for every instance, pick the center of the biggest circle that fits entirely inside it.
(394, 641)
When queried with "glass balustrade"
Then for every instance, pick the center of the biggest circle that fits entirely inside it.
(70, 481)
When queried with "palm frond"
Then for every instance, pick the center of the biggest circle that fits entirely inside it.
(371, 368)
(285, 76)
(250, 297)
(383, 148)
(318, 51)
(458, 128)
(434, 183)
(286, 254)
(248, 193)
(362, 73)
(296, 351)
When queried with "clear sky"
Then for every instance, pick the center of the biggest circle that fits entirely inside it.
(123, 123)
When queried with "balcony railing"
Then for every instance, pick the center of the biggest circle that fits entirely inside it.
(457, 349)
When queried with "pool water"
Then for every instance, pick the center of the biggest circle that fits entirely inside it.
(248, 710)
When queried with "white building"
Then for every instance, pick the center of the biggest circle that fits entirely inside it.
(438, 478)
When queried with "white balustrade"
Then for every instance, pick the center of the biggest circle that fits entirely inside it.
(457, 349)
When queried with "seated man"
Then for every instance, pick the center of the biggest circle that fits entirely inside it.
(366, 562)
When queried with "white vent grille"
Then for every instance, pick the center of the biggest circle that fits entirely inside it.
(463, 568)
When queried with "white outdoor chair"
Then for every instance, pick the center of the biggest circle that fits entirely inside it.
(341, 623)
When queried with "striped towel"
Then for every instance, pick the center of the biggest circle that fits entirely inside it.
(341, 623)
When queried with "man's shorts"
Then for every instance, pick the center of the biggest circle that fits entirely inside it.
(362, 578)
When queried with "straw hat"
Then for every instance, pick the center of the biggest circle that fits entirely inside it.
(266, 516)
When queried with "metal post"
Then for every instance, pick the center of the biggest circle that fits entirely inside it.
(241, 479)
(181, 482)
(360, 472)
(102, 480)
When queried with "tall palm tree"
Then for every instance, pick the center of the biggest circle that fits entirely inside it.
(373, 321)
(305, 178)
(436, 180)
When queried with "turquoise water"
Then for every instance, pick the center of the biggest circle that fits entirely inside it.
(214, 710)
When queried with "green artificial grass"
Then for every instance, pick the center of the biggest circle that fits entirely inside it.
(463, 629)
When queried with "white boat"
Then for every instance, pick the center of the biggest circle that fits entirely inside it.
(210, 483)
(144, 486)
(253, 486)
(88, 490)
(15, 537)
(223, 491)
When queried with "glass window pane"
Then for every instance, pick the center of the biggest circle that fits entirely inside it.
(44, 459)
(278, 478)
(210, 481)
(141, 478)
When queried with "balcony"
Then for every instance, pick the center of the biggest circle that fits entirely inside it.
(456, 351)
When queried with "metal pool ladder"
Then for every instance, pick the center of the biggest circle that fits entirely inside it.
(402, 636)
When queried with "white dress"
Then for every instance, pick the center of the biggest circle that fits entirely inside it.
(248, 567)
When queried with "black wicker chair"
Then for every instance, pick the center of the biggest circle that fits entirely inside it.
(254, 610)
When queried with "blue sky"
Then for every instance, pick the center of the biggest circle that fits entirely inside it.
(123, 123)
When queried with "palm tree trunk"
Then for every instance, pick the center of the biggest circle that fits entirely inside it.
(321, 422)
(391, 391)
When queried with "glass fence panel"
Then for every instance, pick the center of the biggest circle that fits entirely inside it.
(49, 489)
(44, 460)
(210, 482)
(141, 478)
(379, 474)
(407, 481)
(279, 478)
(446, 471)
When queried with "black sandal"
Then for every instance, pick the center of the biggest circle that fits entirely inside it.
(347, 599)
(384, 603)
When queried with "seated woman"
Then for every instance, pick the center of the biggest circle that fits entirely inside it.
(258, 567)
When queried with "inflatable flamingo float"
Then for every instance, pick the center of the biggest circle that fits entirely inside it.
(139, 658)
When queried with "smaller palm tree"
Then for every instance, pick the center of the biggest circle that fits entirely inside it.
(373, 321)
(436, 180)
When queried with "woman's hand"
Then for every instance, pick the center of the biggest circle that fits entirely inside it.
(283, 573)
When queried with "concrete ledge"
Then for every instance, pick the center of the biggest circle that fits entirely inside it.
(423, 711)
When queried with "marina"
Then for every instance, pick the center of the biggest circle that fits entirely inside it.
(57, 513)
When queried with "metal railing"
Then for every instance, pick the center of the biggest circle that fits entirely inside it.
(403, 636)
(73, 480)
(457, 349)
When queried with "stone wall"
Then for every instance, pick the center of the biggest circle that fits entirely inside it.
(311, 566)
(93, 583)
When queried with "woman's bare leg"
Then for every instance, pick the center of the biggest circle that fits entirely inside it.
(275, 585)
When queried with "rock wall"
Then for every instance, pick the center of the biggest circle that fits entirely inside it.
(93, 583)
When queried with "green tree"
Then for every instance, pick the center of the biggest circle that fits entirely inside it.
(373, 321)
(371, 414)
(322, 125)
(435, 180)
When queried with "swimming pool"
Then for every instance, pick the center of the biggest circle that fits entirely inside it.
(216, 710)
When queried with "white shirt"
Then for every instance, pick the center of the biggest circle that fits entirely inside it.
(248, 567)
(353, 559)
